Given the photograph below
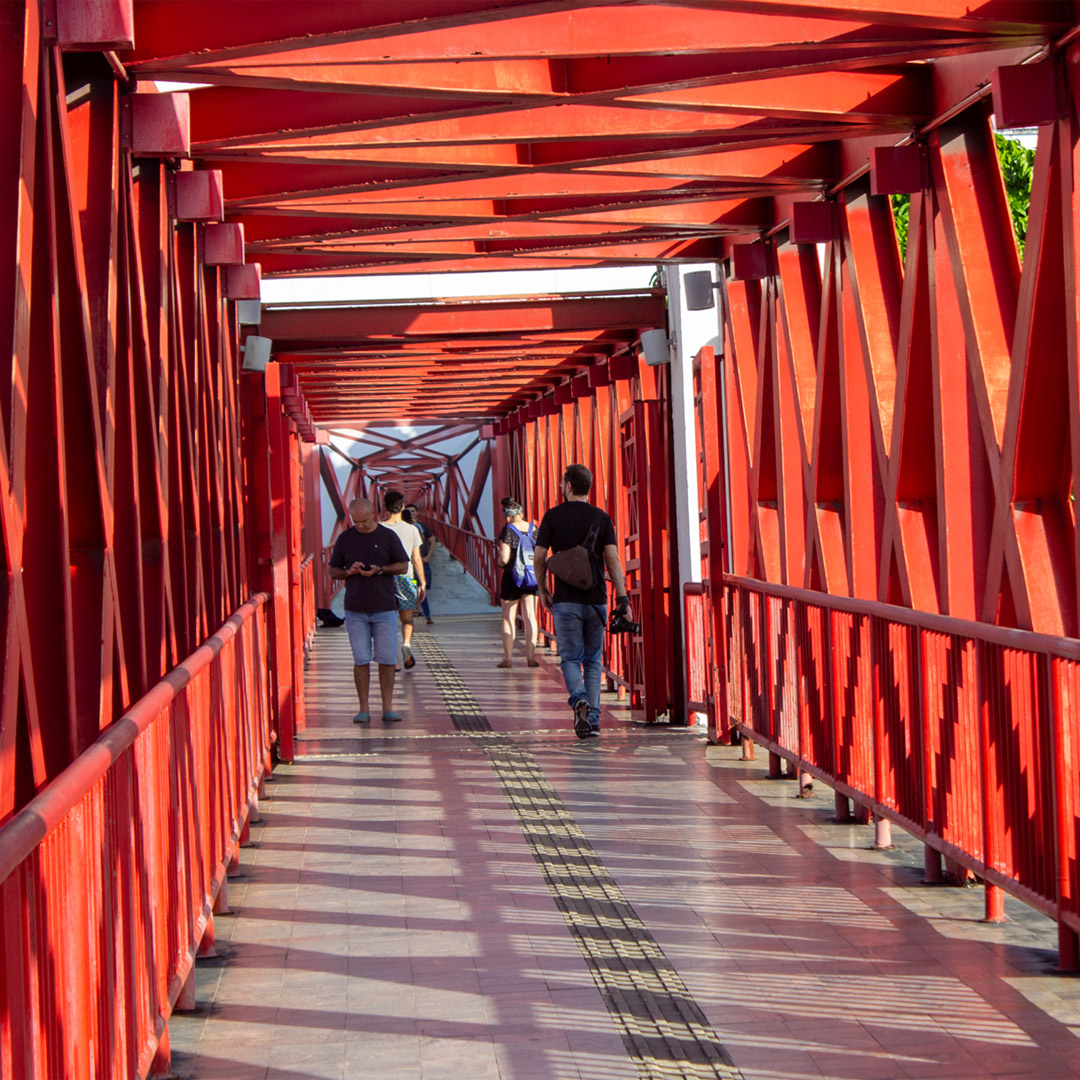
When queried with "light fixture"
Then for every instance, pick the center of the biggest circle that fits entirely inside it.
(256, 353)
(249, 312)
(698, 289)
(654, 343)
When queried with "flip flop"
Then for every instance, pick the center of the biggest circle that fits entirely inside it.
(361, 718)
(392, 716)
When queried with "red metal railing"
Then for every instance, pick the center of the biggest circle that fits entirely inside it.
(965, 734)
(307, 599)
(330, 585)
(700, 694)
(475, 552)
(109, 875)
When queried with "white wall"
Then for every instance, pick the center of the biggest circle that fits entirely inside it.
(690, 331)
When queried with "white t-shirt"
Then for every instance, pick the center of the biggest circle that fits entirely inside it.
(410, 538)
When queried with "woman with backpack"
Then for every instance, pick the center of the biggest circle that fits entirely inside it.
(516, 543)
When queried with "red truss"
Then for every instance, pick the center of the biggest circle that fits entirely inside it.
(553, 134)
(886, 447)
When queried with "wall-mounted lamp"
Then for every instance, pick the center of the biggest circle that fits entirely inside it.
(256, 352)
(698, 289)
(654, 343)
(249, 312)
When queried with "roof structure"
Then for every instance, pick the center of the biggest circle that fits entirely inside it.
(450, 360)
(446, 135)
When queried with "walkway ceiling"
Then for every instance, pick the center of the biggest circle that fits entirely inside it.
(451, 360)
(472, 135)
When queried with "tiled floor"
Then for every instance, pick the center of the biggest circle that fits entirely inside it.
(398, 917)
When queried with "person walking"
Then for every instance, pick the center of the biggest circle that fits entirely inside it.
(408, 587)
(580, 615)
(412, 516)
(366, 557)
(518, 589)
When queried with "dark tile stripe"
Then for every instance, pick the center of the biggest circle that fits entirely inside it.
(663, 1029)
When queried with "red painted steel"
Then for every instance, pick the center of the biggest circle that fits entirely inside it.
(160, 124)
(199, 196)
(590, 429)
(126, 493)
(697, 618)
(307, 601)
(897, 431)
(884, 440)
(712, 537)
(550, 134)
(108, 876)
(957, 730)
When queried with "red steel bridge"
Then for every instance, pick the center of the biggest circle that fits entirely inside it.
(847, 510)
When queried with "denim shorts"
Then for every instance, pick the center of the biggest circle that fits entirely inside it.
(365, 627)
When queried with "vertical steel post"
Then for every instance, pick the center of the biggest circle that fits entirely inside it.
(1063, 726)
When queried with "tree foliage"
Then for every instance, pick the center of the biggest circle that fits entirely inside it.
(901, 207)
(1016, 165)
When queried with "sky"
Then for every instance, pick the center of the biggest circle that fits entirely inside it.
(366, 288)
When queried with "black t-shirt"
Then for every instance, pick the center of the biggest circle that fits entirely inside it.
(565, 526)
(380, 547)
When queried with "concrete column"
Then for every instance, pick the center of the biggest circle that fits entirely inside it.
(690, 331)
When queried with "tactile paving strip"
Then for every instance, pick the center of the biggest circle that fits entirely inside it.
(663, 1029)
(460, 704)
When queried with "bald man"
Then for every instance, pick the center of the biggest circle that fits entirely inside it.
(366, 557)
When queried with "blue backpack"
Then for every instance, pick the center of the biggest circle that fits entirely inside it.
(523, 572)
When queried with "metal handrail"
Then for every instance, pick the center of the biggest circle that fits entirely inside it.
(124, 855)
(1005, 636)
(959, 731)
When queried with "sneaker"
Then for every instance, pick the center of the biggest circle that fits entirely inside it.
(582, 727)
(594, 732)
(407, 656)
(430, 620)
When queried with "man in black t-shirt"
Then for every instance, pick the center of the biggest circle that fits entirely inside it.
(366, 557)
(580, 615)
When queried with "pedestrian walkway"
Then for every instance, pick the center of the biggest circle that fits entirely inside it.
(475, 893)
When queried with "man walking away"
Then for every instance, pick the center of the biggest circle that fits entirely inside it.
(412, 516)
(366, 557)
(408, 587)
(580, 615)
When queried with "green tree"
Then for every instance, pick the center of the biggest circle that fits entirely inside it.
(1016, 166)
(901, 207)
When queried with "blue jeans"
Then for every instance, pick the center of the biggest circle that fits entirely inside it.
(579, 633)
(427, 585)
(378, 628)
